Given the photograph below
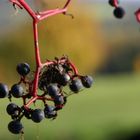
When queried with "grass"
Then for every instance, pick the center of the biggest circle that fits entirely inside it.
(100, 113)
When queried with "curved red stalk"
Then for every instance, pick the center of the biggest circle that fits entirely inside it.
(116, 2)
(137, 14)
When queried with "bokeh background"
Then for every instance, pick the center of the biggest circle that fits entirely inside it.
(99, 45)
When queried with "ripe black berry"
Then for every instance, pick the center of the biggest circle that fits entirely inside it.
(17, 91)
(23, 69)
(37, 115)
(119, 12)
(12, 109)
(49, 111)
(3, 90)
(87, 81)
(53, 90)
(76, 85)
(58, 100)
(15, 127)
(64, 79)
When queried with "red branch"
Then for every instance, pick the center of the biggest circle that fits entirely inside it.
(137, 14)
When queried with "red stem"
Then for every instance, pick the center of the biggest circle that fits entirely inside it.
(30, 102)
(137, 14)
(116, 2)
(54, 12)
(36, 44)
(67, 3)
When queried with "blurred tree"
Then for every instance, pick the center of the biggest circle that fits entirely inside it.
(136, 64)
(123, 58)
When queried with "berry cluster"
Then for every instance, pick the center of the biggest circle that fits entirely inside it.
(52, 80)
(119, 12)
(46, 83)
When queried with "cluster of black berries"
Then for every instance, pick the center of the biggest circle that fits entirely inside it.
(52, 79)
(118, 11)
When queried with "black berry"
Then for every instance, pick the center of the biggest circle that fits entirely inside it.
(12, 109)
(76, 85)
(17, 90)
(64, 79)
(119, 12)
(87, 81)
(50, 111)
(3, 90)
(53, 90)
(15, 127)
(23, 69)
(58, 100)
(37, 115)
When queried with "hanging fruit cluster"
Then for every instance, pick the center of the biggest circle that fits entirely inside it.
(52, 80)
(46, 83)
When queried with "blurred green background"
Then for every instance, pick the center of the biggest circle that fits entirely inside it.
(99, 45)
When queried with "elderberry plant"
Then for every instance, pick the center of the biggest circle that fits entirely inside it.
(119, 12)
(46, 83)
